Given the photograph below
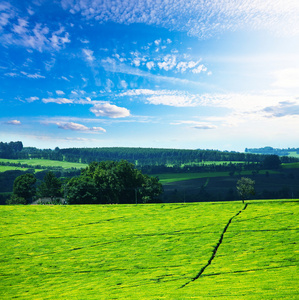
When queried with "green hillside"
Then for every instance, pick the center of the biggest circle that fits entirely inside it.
(44, 163)
(173, 251)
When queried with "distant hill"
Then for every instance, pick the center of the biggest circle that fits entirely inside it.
(275, 151)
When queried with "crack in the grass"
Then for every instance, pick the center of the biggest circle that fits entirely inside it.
(246, 271)
(215, 249)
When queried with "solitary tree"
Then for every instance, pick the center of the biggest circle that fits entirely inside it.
(245, 187)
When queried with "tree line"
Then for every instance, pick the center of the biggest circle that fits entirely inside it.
(138, 156)
(108, 182)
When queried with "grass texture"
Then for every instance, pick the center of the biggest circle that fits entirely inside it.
(45, 163)
(174, 251)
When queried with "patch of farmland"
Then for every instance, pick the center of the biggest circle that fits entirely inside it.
(45, 163)
(11, 168)
(150, 251)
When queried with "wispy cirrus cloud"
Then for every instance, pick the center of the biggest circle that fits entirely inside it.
(201, 18)
(88, 54)
(79, 127)
(20, 29)
(25, 74)
(57, 100)
(239, 107)
(164, 97)
(111, 65)
(196, 125)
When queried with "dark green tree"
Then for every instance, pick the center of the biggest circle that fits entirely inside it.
(23, 189)
(112, 182)
(271, 162)
(82, 190)
(245, 187)
(151, 189)
(50, 187)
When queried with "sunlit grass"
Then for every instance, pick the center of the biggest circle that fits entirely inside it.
(45, 163)
(148, 251)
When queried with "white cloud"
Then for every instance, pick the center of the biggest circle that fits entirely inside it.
(57, 41)
(60, 93)
(57, 100)
(11, 74)
(50, 64)
(106, 109)
(150, 65)
(21, 27)
(287, 78)
(199, 69)
(13, 122)
(196, 125)
(136, 62)
(169, 62)
(32, 99)
(157, 42)
(124, 84)
(79, 127)
(6, 13)
(88, 54)
(237, 108)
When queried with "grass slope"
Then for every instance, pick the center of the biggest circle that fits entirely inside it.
(166, 178)
(150, 251)
(45, 163)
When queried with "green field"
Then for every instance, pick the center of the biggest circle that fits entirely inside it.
(154, 251)
(45, 163)
(294, 154)
(10, 168)
(291, 165)
(174, 177)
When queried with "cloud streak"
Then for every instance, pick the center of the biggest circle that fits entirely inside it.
(79, 127)
(106, 109)
(13, 122)
(57, 100)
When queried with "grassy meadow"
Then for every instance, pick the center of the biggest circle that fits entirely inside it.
(153, 251)
(166, 178)
(45, 163)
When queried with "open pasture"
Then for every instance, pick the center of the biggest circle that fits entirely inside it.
(166, 178)
(156, 251)
(45, 163)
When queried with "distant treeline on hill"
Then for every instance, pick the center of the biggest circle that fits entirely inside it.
(138, 156)
(272, 151)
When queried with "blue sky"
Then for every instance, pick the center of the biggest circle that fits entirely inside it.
(210, 74)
